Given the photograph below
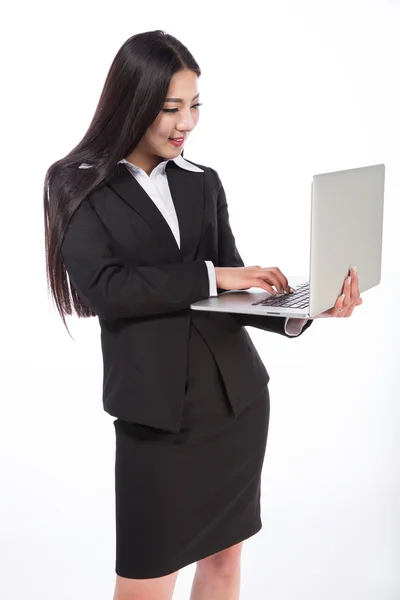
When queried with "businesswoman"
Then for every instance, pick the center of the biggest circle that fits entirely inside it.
(134, 234)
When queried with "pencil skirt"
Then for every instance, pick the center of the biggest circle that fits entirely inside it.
(180, 497)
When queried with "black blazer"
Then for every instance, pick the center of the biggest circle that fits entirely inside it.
(123, 261)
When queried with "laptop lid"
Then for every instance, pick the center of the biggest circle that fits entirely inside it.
(346, 230)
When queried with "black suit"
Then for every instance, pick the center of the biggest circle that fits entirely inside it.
(124, 262)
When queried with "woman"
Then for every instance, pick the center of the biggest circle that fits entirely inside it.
(134, 234)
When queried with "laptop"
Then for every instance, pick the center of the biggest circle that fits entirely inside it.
(346, 230)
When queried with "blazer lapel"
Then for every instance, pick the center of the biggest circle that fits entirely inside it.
(187, 191)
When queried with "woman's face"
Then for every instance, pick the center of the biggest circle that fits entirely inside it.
(178, 117)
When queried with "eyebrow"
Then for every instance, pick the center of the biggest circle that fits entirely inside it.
(180, 99)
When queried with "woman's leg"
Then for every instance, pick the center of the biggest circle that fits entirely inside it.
(158, 588)
(217, 577)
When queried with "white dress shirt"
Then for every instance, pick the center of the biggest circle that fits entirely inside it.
(157, 188)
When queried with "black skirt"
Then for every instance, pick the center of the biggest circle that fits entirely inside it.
(183, 496)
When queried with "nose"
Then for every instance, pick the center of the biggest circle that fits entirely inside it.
(184, 127)
(187, 124)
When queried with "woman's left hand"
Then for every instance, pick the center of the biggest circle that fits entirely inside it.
(344, 306)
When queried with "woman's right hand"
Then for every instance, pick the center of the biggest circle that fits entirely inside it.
(242, 278)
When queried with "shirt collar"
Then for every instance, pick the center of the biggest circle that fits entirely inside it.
(179, 160)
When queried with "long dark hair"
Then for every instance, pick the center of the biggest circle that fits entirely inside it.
(132, 97)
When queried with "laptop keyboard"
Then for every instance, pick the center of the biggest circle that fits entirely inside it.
(299, 299)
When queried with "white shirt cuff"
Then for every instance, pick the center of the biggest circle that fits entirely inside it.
(294, 326)
(212, 278)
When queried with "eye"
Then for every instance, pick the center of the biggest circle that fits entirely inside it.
(172, 110)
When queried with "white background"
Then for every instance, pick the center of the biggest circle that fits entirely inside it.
(289, 89)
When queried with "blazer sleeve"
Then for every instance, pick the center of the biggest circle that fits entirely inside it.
(228, 256)
(113, 290)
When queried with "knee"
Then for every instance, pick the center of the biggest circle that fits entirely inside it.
(224, 564)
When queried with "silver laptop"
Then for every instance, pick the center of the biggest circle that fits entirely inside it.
(346, 230)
